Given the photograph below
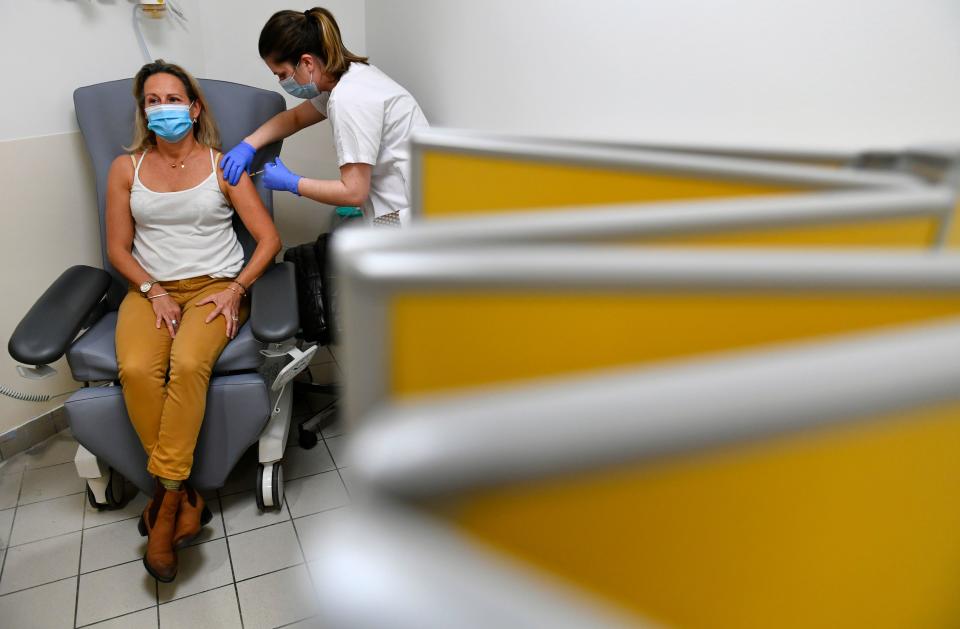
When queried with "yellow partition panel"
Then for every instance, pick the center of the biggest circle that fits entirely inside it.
(846, 526)
(459, 183)
(903, 232)
(443, 341)
(953, 233)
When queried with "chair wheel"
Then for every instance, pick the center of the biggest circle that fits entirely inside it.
(307, 439)
(115, 493)
(269, 493)
(93, 500)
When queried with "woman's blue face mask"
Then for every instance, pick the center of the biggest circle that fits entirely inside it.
(290, 85)
(170, 122)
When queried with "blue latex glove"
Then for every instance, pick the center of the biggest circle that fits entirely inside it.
(236, 162)
(276, 176)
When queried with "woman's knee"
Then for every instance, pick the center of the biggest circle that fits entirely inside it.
(190, 365)
(135, 370)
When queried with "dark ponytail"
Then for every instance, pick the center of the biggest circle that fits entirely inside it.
(287, 35)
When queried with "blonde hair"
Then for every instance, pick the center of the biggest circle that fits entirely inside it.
(205, 131)
(287, 35)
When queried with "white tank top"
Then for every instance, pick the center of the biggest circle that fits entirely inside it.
(184, 234)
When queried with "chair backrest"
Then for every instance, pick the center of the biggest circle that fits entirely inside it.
(105, 113)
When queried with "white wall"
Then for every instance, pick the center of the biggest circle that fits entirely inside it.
(50, 47)
(841, 74)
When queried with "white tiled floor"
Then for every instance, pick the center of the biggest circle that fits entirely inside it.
(64, 564)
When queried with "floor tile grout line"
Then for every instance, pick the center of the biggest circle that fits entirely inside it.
(124, 563)
(76, 601)
(310, 515)
(242, 491)
(192, 594)
(6, 549)
(36, 502)
(96, 526)
(123, 615)
(296, 565)
(233, 574)
(327, 510)
(37, 467)
(296, 534)
(299, 620)
(44, 539)
(13, 521)
(344, 483)
(39, 585)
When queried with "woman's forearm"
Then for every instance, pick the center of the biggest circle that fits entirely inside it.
(127, 266)
(263, 256)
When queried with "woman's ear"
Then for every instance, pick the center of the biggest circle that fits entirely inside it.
(312, 65)
(195, 110)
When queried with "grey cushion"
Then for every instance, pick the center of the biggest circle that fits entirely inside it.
(94, 355)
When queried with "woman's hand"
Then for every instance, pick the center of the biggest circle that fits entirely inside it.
(168, 313)
(228, 305)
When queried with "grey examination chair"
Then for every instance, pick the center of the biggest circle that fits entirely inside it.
(250, 391)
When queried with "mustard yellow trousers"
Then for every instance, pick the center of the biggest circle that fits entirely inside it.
(165, 380)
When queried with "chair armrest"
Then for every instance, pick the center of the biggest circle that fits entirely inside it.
(273, 310)
(50, 326)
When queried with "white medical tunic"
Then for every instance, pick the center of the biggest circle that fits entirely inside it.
(373, 118)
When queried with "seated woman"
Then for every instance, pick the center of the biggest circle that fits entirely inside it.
(169, 232)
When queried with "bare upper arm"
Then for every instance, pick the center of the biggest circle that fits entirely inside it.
(248, 205)
(118, 217)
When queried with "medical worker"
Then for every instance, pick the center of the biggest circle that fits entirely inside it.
(372, 116)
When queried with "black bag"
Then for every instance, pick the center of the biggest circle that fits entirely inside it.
(311, 261)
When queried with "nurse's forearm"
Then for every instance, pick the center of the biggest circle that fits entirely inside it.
(332, 192)
(281, 126)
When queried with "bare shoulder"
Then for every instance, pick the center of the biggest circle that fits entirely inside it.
(121, 170)
(123, 165)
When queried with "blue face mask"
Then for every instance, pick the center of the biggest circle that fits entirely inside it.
(293, 88)
(170, 122)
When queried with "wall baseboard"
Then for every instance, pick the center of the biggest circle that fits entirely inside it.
(32, 432)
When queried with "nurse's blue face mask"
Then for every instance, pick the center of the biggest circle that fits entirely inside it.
(170, 122)
(290, 85)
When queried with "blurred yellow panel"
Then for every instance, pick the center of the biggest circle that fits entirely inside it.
(953, 235)
(455, 183)
(900, 232)
(447, 341)
(841, 527)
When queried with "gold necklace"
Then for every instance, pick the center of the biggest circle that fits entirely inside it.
(174, 165)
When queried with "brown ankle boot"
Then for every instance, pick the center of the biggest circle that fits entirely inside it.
(193, 515)
(158, 523)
